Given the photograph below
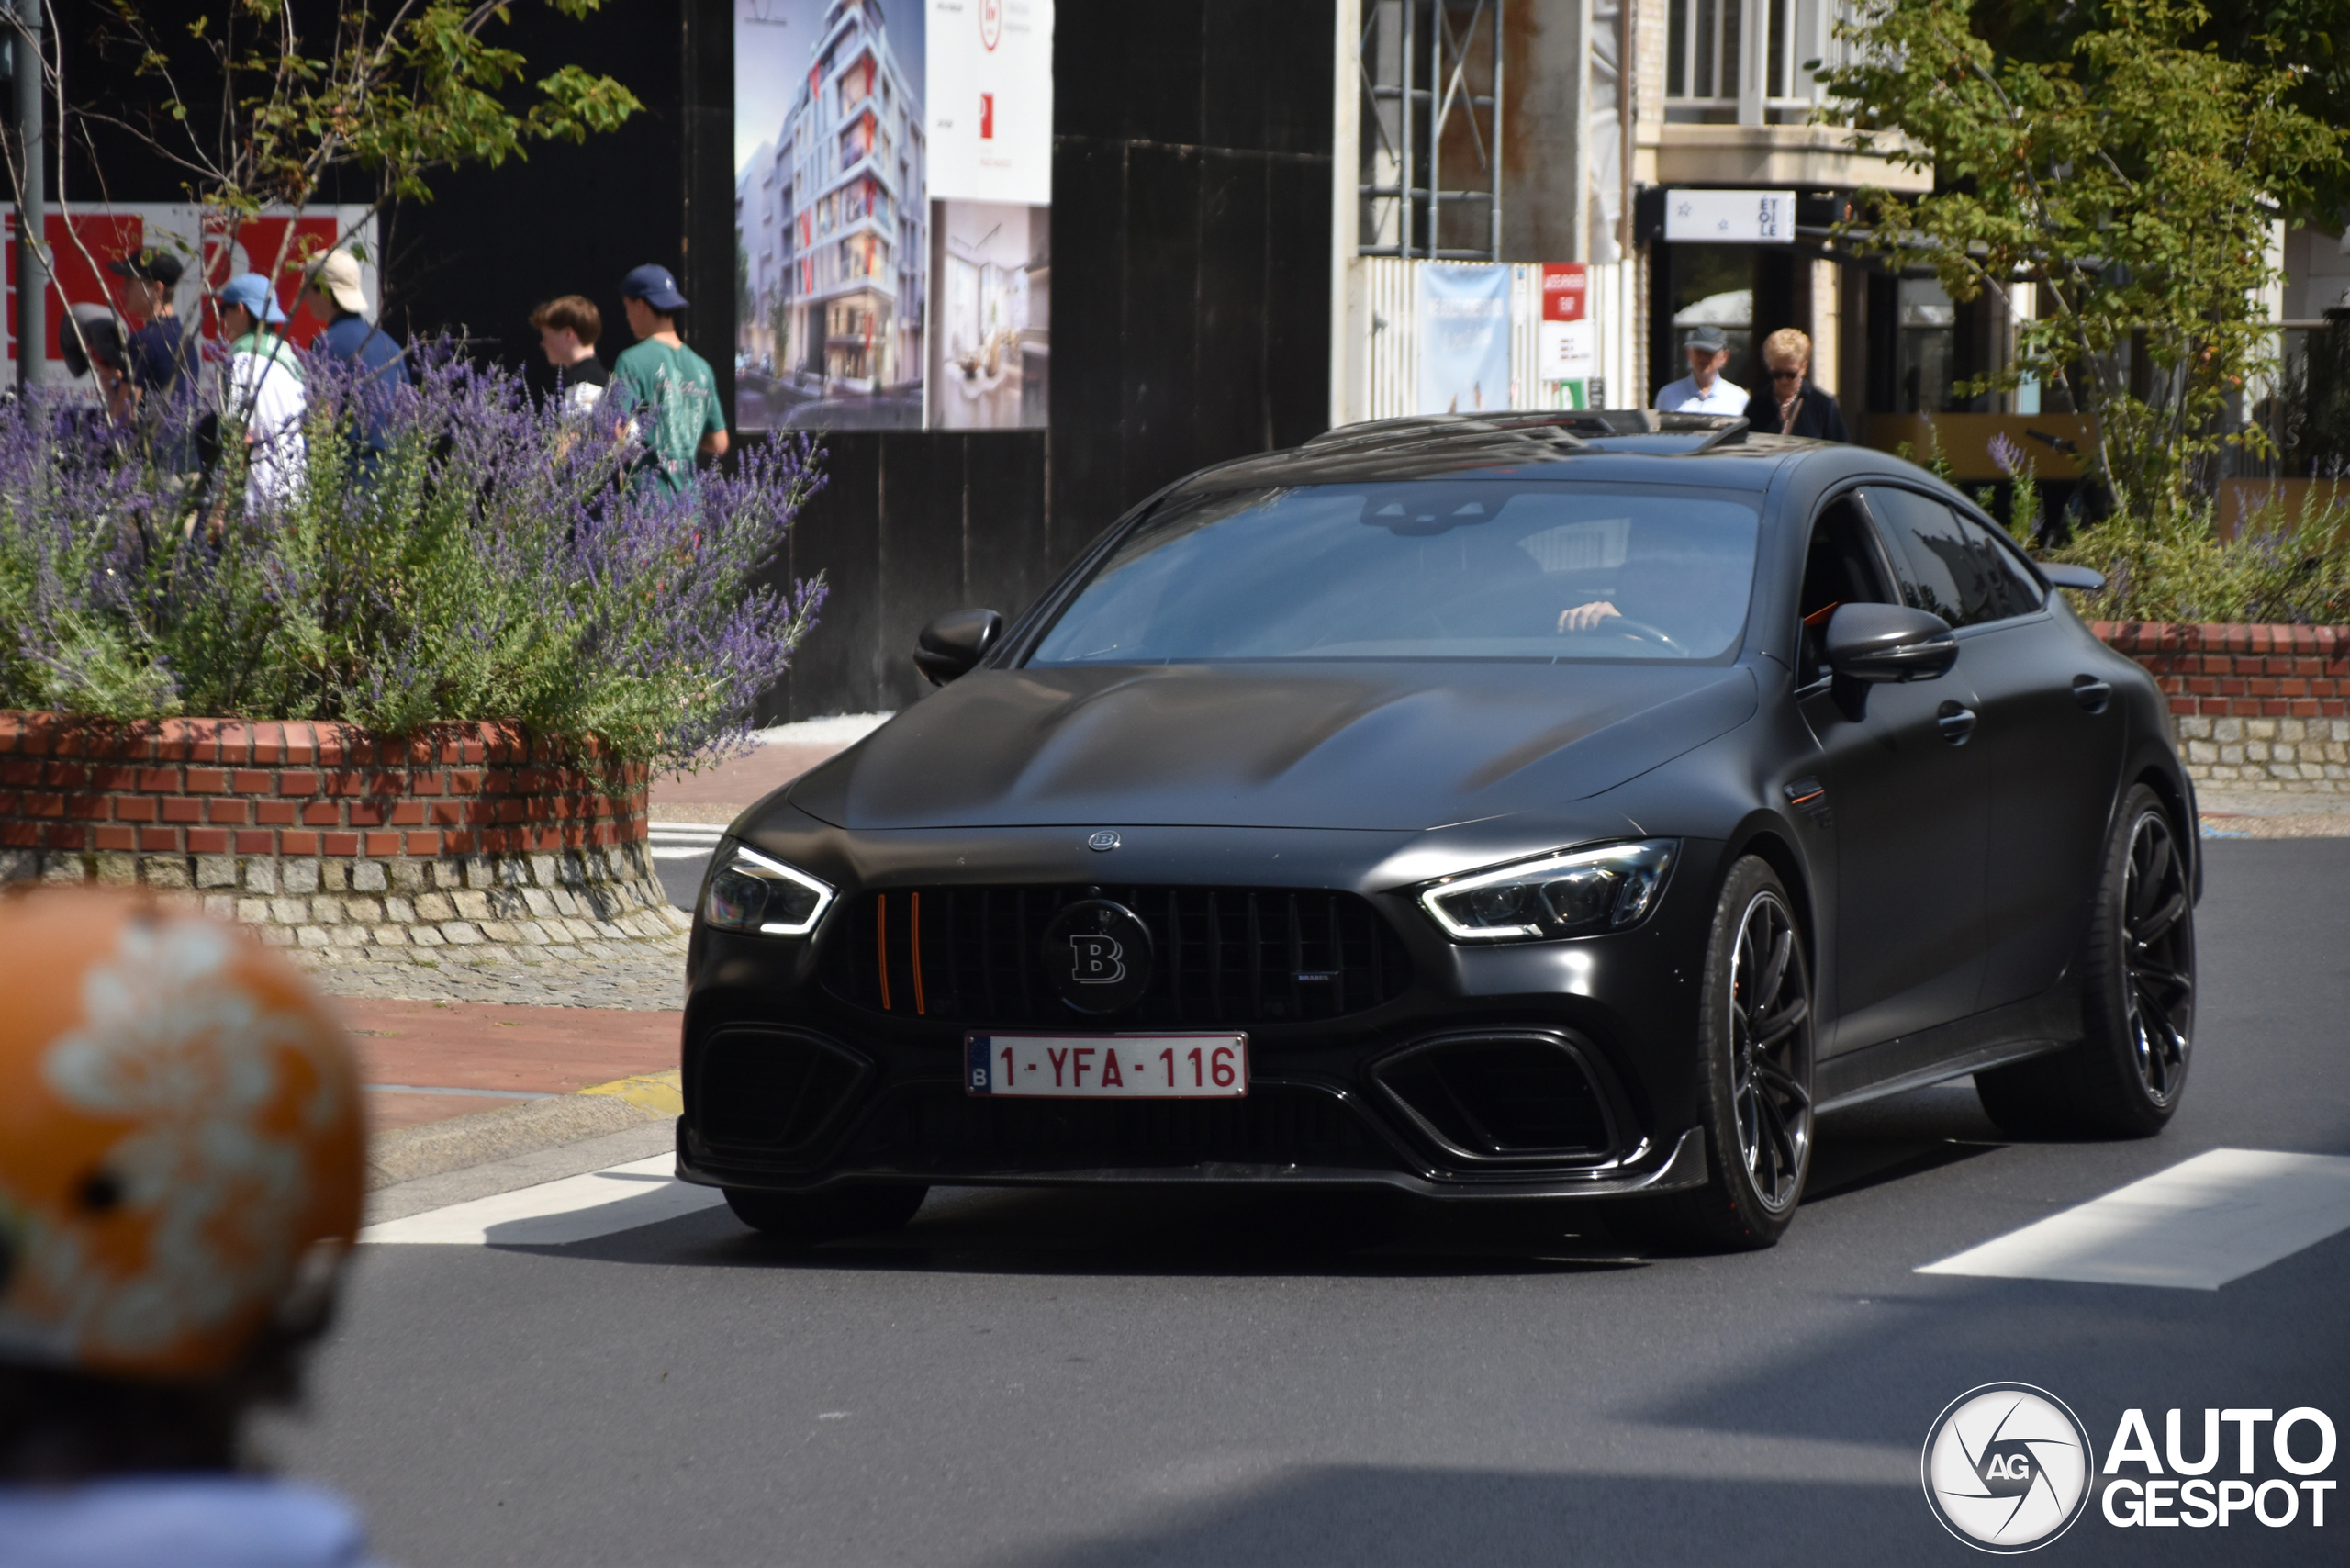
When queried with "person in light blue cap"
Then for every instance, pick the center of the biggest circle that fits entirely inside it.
(261, 390)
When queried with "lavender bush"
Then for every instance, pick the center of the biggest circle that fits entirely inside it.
(495, 559)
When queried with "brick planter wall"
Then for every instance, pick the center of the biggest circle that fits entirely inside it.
(2255, 707)
(327, 836)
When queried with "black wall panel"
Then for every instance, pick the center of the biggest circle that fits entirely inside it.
(1191, 294)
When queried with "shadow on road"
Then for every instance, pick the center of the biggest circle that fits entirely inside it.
(1176, 1230)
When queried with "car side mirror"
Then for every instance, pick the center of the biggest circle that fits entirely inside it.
(2085, 579)
(1874, 644)
(954, 644)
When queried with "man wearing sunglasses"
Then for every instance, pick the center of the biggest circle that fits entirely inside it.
(1791, 405)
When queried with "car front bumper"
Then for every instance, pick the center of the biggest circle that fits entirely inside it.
(791, 1085)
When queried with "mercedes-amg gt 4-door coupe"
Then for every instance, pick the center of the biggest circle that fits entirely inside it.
(1571, 806)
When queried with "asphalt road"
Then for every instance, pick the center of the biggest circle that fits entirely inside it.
(1098, 1379)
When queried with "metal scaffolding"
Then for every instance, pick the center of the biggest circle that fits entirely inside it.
(1431, 70)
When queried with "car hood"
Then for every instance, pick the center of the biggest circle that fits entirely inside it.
(1357, 746)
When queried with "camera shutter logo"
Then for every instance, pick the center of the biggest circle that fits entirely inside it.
(2008, 1467)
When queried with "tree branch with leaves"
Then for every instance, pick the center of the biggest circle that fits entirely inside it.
(2133, 183)
(264, 104)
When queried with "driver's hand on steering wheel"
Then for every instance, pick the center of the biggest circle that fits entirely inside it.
(1584, 617)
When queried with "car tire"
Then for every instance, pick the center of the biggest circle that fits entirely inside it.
(1755, 1044)
(828, 1215)
(2137, 971)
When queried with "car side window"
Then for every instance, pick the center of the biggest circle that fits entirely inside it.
(2018, 585)
(1944, 570)
(1841, 566)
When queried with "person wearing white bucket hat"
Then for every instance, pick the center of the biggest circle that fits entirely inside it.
(336, 293)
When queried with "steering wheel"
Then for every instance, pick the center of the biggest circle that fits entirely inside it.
(1640, 631)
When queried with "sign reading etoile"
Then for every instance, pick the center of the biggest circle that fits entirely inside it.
(1730, 218)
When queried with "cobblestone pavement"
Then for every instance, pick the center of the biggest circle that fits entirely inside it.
(643, 975)
(2310, 813)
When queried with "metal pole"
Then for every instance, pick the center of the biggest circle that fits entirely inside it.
(1494, 207)
(32, 269)
(1403, 186)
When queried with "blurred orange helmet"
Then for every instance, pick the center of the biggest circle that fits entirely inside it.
(181, 1144)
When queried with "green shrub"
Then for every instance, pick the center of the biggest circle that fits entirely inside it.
(493, 560)
(2179, 569)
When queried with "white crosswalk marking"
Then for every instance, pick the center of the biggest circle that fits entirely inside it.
(555, 1214)
(2213, 1218)
(681, 841)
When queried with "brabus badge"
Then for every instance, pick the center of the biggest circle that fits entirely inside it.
(1105, 841)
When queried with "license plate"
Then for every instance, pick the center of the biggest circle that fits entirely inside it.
(1107, 1067)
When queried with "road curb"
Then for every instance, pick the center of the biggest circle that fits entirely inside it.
(407, 1154)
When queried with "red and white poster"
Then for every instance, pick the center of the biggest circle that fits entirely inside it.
(1563, 338)
(211, 247)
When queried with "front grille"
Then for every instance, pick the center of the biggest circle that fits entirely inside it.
(1275, 1124)
(1222, 956)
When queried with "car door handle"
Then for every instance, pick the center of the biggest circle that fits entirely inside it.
(2091, 693)
(1955, 720)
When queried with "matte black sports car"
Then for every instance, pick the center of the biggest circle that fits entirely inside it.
(1559, 805)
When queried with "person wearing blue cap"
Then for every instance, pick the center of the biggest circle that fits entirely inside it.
(673, 387)
(261, 390)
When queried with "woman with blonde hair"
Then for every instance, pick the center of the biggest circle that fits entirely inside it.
(1789, 404)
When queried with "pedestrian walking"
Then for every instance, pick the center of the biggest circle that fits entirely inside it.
(1794, 407)
(1704, 390)
(568, 328)
(182, 1168)
(91, 341)
(672, 389)
(161, 350)
(334, 293)
(260, 393)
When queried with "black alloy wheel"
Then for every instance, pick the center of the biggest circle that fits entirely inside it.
(2158, 958)
(806, 1219)
(1770, 1007)
(2125, 1078)
(1755, 1040)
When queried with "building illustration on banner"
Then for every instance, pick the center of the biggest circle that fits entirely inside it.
(892, 191)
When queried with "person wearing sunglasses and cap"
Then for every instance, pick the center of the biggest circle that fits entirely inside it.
(261, 391)
(1792, 405)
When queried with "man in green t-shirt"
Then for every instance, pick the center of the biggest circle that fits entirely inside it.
(671, 386)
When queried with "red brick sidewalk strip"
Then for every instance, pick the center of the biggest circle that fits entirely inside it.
(488, 1049)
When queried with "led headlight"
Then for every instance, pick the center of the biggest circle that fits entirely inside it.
(747, 891)
(1576, 892)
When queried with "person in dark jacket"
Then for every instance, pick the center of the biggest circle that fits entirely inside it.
(1788, 403)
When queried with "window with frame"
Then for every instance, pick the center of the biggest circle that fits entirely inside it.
(1950, 565)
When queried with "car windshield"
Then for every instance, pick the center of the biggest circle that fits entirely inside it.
(1459, 569)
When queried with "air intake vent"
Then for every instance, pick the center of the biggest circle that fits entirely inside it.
(1221, 956)
(771, 1090)
(1502, 1097)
